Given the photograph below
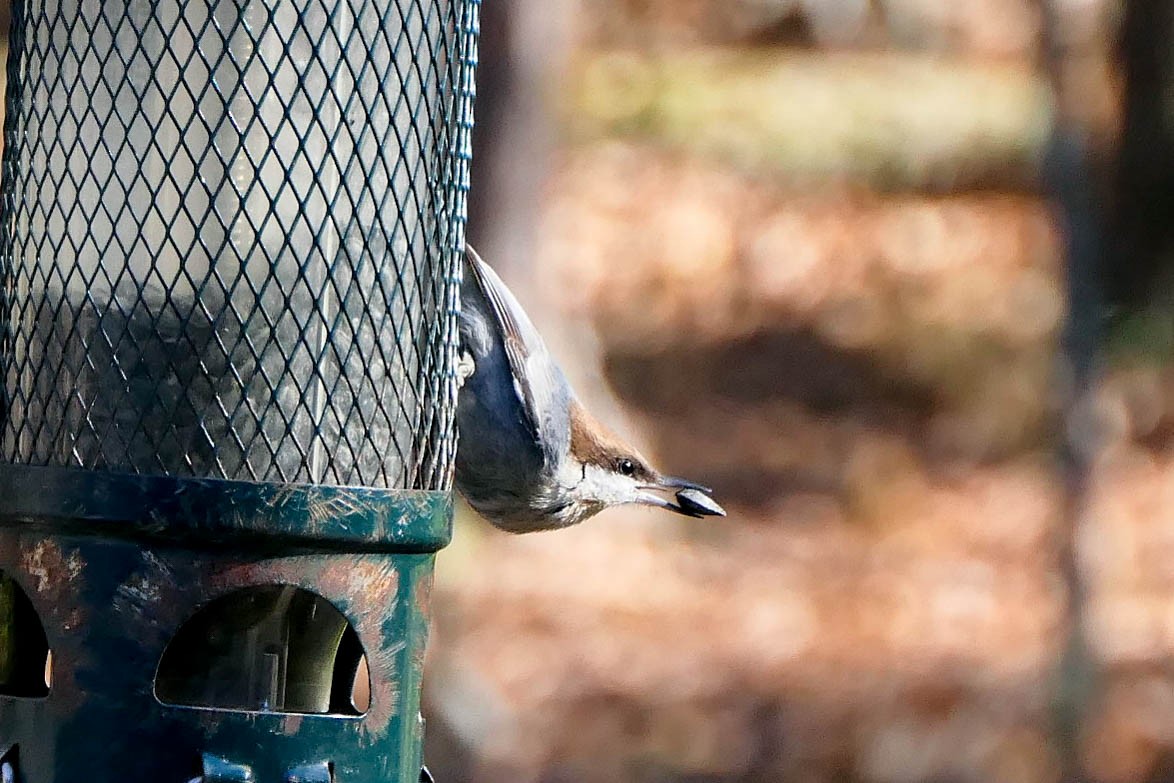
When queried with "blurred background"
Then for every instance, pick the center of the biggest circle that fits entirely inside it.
(847, 262)
(894, 277)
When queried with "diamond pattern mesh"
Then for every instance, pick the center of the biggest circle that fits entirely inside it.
(230, 237)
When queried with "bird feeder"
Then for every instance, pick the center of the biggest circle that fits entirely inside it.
(229, 259)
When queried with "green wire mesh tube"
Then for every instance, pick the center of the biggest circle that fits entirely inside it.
(229, 238)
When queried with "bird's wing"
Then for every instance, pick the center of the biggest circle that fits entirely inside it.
(539, 383)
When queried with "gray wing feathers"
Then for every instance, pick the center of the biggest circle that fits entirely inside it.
(539, 383)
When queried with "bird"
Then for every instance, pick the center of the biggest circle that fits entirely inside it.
(529, 455)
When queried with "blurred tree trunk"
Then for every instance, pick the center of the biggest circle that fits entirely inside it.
(1075, 180)
(1141, 273)
(521, 45)
(1114, 211)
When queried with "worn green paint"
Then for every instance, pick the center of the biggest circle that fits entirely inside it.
(7, 629)
(213, 511)
(97, 557)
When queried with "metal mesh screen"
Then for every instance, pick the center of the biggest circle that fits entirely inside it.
(230, 237)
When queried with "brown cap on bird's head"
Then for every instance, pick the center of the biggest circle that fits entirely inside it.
(593, 443)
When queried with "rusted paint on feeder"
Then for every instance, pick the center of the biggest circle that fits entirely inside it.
(127, 597)
(50, 568)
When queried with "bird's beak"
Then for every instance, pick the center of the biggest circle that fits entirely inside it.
(672, 482)
(649, 499)
(693, 500)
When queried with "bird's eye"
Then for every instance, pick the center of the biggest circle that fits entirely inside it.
(625, 466)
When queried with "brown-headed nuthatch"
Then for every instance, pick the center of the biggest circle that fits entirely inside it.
(530, 457)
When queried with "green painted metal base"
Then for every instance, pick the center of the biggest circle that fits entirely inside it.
(217, 511)
(114, 565)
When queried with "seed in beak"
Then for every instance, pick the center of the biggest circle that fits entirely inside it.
(697, 503)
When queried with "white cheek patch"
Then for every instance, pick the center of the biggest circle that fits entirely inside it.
(605, 486)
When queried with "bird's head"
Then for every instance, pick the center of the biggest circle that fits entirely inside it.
(605, 471)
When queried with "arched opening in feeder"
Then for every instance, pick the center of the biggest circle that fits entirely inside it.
(268, 648)
(10, 764)
(25, 661)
